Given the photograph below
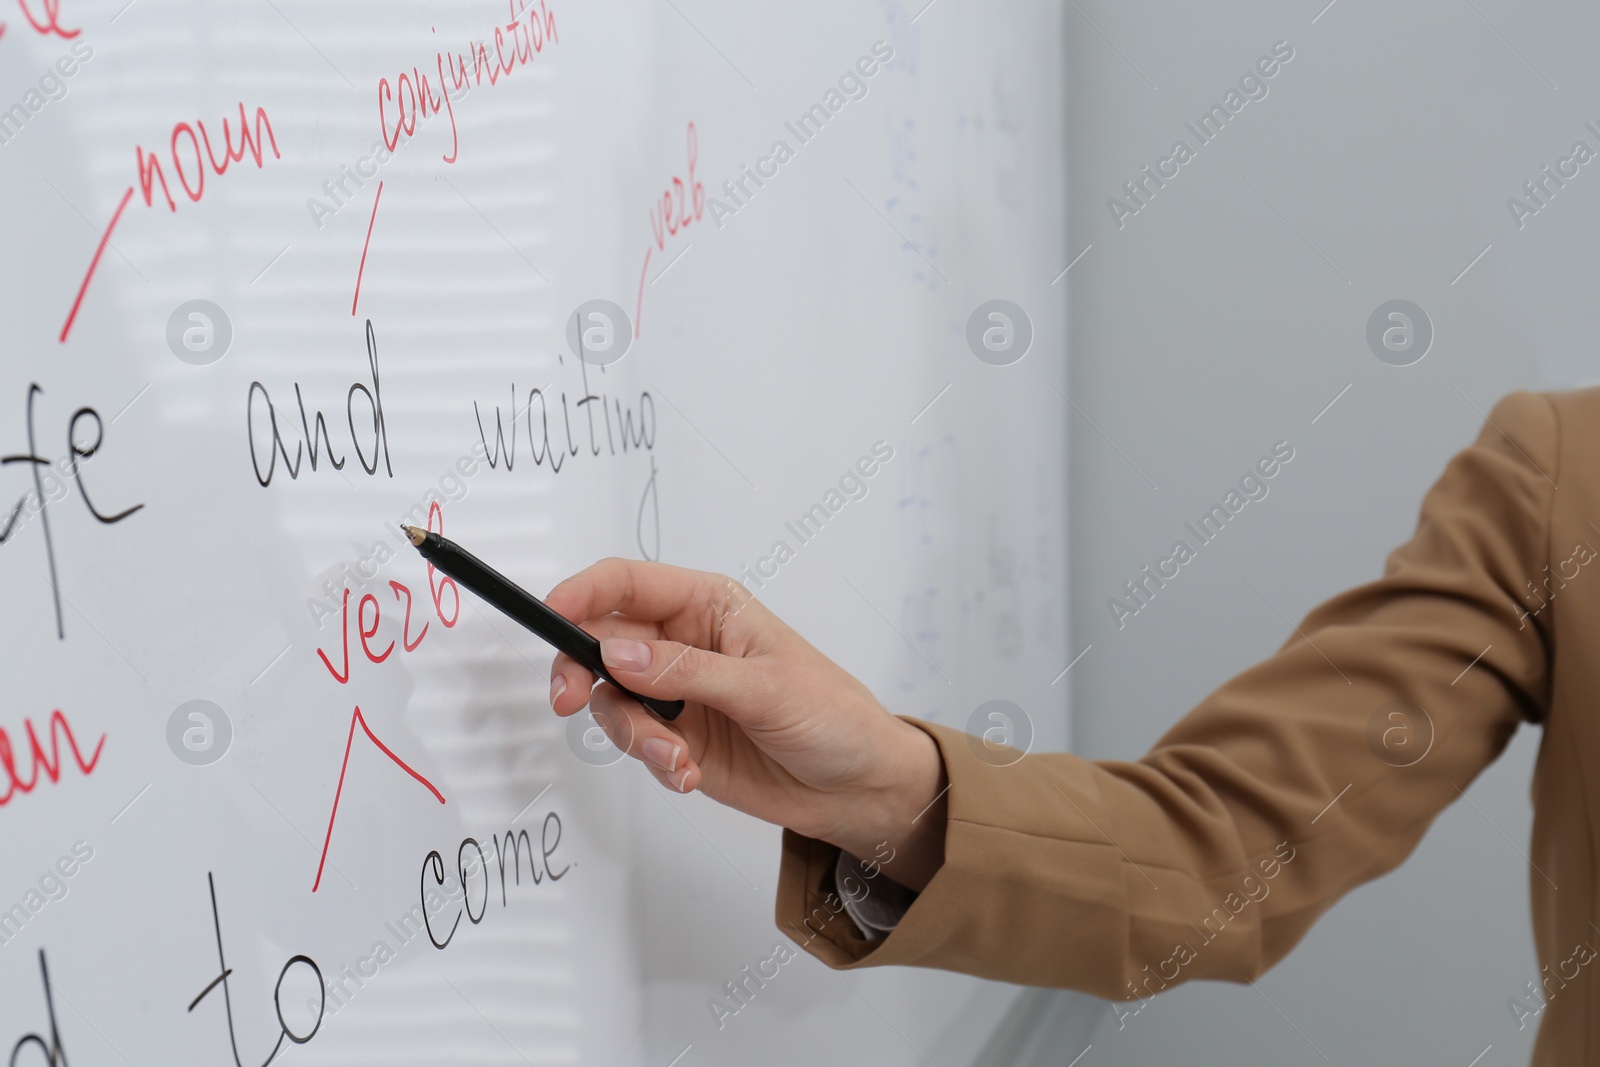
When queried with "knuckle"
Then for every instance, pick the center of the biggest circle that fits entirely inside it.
(686, 663)
(617, 724)
(724, 598)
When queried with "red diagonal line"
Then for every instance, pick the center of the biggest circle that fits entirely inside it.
(364, 246)
(105, 239)
(355, 718)
(638, 308)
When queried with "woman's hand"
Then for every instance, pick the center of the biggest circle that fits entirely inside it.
(770, 725)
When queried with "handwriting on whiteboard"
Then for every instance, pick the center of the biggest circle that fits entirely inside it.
(437, 587)
(52, 1051)
(413, 97)
(372, 221)
(314, 444)
(357, 719)
(192, 181)
(37, 502)
(682, 203)
(250, 140)
(469, 864)
(48, 24)
(633, 427)
(49, 765)
(225, 972)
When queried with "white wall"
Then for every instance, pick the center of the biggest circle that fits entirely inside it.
(1223, 317)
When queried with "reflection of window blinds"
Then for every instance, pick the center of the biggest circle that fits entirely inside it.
(465, 236)
(772, 353)
(264, 245)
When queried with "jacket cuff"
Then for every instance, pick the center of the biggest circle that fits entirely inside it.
(958, 912)
(809, 908)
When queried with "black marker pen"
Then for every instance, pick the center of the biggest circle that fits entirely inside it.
(525, 608)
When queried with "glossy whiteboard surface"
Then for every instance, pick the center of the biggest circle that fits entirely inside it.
(235, 363)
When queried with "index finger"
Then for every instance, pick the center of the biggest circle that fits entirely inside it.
(637, 588)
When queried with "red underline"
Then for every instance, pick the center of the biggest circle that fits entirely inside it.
(105, 239)
(365, 245)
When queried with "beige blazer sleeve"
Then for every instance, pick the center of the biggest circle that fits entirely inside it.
(1289, 785)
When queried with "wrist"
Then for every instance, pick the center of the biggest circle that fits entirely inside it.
(901, 821)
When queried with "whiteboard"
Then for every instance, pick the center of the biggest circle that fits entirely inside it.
(275, 282)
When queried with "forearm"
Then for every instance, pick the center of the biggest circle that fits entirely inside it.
(1302, 777)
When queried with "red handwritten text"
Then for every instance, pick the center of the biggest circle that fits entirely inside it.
(414, 96)
(149, 163)
(51, 764)
(49, 24)
(367, 630)
(189, 165)
(682, 204)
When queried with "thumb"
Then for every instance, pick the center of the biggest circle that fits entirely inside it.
(732, 684)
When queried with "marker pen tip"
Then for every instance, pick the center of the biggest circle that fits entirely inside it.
(414, 535)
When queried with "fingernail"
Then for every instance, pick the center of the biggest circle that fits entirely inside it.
(624, 653)
(558, 685)
(681, 781)
(662, 753)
